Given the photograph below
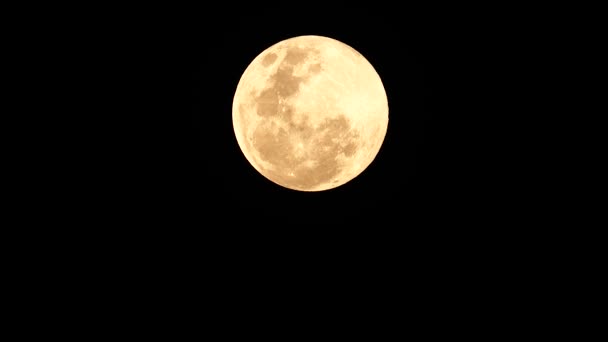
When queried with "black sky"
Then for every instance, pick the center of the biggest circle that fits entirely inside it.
(152, 185)
(423, 171)
(445, 77)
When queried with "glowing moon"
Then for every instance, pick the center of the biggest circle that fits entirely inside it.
(310, 113)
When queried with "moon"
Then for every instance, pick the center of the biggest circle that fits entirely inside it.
(310, 113)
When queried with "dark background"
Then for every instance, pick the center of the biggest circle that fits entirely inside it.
(159, 192)
(444, 171)
(435, 166)
(144, 207)
(391, 184)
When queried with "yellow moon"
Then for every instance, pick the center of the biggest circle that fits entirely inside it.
(310, 113)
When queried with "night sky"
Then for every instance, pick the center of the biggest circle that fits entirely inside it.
(444, 80)
(166, 217)
(418, 171)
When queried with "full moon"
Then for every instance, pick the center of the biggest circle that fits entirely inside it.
(310, 113)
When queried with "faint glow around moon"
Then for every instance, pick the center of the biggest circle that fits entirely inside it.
(310, 113)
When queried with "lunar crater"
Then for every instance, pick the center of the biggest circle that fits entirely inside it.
(269, 59)
(308, 152)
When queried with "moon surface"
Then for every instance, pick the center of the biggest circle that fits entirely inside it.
(310, 113)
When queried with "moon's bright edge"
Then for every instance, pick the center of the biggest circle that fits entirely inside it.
(310, 113)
